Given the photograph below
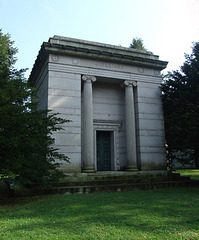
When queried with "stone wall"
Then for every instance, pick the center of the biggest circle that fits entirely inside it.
(150, 128)
(64, 97)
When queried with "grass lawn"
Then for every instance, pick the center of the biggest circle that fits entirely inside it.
(153, 214)
(193, 173)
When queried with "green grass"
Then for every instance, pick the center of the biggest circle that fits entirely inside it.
(193, 173)
(153, 214)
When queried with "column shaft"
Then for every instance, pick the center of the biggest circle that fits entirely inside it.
(131, 154)
(88, 153)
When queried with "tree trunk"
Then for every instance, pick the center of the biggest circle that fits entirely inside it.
(196, 156)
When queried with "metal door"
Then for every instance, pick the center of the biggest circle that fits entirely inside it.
(103, 151)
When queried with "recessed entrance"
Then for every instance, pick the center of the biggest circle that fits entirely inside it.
(103, 151)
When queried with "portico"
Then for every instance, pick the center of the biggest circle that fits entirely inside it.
(111, 95)
(89, 164)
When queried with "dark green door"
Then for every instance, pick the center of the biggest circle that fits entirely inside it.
(103, 151)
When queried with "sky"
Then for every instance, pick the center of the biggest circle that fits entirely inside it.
(167, 27)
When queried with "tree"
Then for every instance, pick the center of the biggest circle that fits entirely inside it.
(181, 105)
(26, 141)
(137, 43)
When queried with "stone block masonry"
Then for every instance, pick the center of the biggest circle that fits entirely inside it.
(112, 96)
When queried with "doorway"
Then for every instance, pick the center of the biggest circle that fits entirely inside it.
(104, 151)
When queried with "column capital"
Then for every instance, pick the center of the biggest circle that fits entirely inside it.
(90, 78)
(128, 83)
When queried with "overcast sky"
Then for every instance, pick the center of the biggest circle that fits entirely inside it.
(167, 27)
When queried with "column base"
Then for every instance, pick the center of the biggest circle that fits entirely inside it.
(131, 168)
(88, 170)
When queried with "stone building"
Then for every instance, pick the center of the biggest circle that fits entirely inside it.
(112, 96)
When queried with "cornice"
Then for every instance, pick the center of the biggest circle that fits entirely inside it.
(98, 51)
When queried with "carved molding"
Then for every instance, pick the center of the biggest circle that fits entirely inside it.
(140, 70)
(76, 61)
(54, 58)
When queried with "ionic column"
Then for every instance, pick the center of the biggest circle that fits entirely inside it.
(88, 153)
(130, 126)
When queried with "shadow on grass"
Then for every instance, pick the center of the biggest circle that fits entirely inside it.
(154, 213)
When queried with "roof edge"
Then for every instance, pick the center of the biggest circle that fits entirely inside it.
(98, 51)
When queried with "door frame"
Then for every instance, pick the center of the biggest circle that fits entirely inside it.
(113, 127)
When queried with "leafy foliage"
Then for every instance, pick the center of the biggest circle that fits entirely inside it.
(137, 43)
(26, 141)
(181, 105)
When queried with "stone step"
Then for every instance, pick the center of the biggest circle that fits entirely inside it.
(85, 183)
(119, 180)
(126, 187)
(110, 182)
(115, 175)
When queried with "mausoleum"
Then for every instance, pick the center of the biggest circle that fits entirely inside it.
(112, 96)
